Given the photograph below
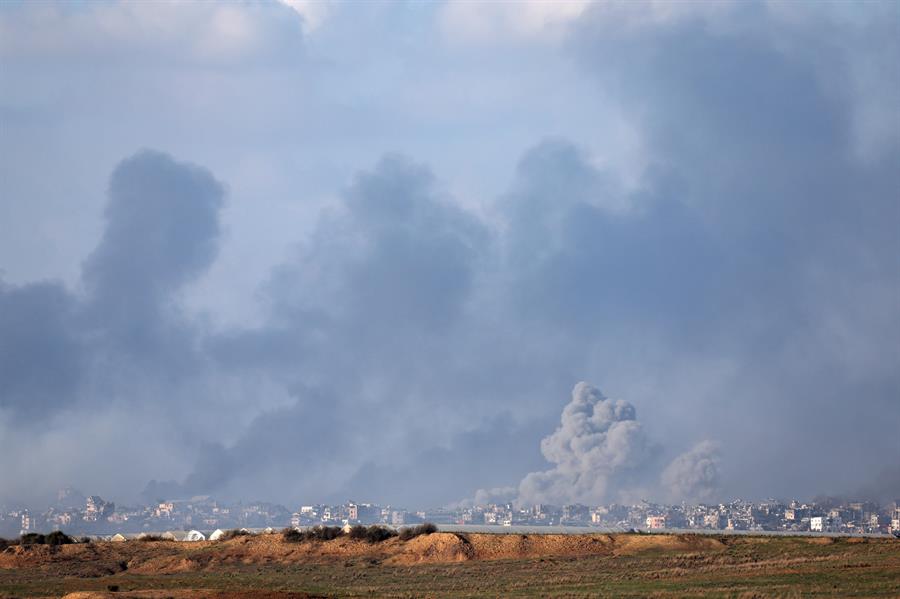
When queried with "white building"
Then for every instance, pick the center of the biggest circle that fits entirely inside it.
(825, 524)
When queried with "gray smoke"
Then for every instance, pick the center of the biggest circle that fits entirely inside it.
(116, 353)
(597, 443)
(162, 232)
(694, 475)
(405, 350)
(495, 495)
(602, 453)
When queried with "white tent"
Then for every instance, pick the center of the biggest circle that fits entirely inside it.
(195, 535)
(175, 535)
(217, 534)
(118, 537)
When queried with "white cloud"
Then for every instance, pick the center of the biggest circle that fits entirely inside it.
(313, 12)
(191, 32)
(528, 19)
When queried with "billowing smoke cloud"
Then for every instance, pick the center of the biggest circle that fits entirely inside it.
(161, 233)
(495, 495)
(694, 475)
(597, 444)
(601, 452)
(746, 264)
(123, 348)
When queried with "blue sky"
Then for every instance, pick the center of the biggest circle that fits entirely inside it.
(314, 250)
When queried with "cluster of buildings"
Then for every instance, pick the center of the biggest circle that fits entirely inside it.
(77, 514)
(794, 516)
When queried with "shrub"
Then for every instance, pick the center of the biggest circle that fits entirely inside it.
(150, 538)
(321, 533)
(415, 531)
(57, 537)
(32, 538)
(4, 543)
(292, 535)
(325, 533)
(372, 534)
(426, 529)
(234, 533)
(377, 534)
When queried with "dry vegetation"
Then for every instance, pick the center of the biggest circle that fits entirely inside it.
(458, 565)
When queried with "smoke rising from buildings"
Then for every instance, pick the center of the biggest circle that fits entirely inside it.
(597, 445)
(694, 475)
(381, 292)
(601, 453)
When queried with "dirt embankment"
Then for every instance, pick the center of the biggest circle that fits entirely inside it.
(168, 557)
(191, 594)
(447, 547)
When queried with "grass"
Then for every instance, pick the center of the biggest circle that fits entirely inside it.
(773, 567)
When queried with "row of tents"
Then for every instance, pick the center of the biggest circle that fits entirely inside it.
(181, 535)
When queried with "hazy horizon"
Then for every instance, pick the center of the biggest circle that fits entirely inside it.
(424, 253)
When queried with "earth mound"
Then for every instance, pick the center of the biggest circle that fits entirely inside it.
(168, 557)
(435, 548)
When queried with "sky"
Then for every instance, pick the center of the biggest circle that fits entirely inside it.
(439, 253)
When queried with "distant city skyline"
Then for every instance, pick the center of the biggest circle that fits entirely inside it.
(77, 514)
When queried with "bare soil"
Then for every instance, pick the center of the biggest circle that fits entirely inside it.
(458, 565)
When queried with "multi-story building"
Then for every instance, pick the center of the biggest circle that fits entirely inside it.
(575, 514)
(97, 509)
(164, 510)
(27, 522)
(825, 524)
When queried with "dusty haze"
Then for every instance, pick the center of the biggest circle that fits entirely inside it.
(308, 252)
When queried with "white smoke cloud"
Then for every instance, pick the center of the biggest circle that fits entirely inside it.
(597, 440)
(694, 475)
(495, 495)
(484, 497)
